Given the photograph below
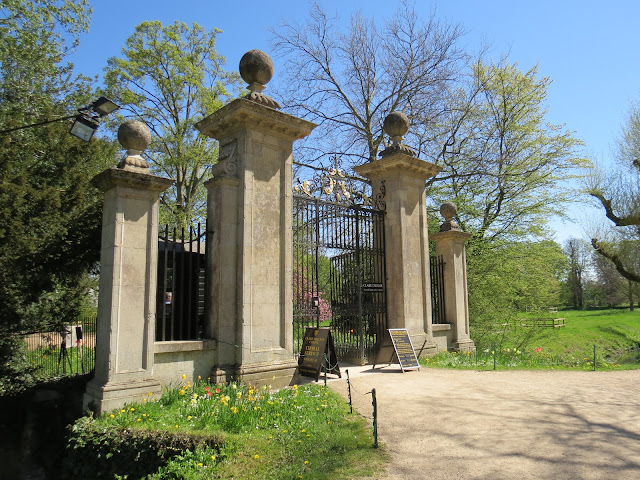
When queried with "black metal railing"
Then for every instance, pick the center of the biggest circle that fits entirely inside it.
(180, 309)
(67, 350)
(437, 290)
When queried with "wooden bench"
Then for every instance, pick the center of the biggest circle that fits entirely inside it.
(542, 322)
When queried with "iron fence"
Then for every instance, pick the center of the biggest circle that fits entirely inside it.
(339, 277)
(437, 290)
(69, 350)
(180, 308)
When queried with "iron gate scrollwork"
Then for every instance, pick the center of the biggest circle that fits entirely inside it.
(339, 275)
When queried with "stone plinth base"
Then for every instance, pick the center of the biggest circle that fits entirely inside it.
(464, 346)
(278, 375)
(103, 398)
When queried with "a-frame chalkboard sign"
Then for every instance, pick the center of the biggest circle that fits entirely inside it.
(317, 343)
(403, 349)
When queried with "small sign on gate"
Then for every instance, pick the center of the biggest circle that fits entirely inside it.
(318, 345)
(372, 287)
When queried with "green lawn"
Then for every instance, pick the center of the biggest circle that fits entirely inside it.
(615, 333)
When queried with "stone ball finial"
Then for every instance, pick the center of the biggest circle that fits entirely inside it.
(134, 136)
(256, 67)
(448, 210)
(396, 124)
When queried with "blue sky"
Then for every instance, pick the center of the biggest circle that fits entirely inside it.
(590, 49)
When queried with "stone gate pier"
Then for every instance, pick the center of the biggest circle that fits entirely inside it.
(250, 215)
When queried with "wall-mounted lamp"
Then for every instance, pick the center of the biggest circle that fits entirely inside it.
(86, 120)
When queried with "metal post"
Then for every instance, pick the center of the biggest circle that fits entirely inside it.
(494, 356)
(349, 390)
(375, 417)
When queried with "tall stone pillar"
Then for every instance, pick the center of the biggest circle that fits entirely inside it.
(450, 243)
(398, 179)
(128, 271)
(250, 217)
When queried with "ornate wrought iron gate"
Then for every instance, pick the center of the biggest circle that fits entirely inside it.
(339, 275)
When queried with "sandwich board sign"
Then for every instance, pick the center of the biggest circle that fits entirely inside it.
(403, 349)
(316, 346)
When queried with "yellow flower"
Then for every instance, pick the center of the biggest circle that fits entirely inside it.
(189, 417)
(199, 377)
(150, 393)
(303, 430)
(112, 416)
(122, 411)
(200, 464)
(256, 456)
(234, 386)
(213, 457)
(139, 419)
(184, 376)
(306, 462)
(182, 392)
(132, 409)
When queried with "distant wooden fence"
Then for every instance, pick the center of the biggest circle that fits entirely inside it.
(542, 322)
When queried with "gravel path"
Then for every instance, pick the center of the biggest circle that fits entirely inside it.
(450, 424)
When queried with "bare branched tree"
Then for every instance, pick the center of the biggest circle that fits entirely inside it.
(348, 81)
(618, 193)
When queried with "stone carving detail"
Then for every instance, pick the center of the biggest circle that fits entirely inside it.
(256, 68)
(227, 165)
(380, 204)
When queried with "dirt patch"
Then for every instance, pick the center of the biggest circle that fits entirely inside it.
(448, 424)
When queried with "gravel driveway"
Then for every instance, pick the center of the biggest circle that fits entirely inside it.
(450, 424)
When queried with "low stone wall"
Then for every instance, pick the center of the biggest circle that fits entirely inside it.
(193, 358)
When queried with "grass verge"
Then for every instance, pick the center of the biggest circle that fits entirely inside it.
(246, 433)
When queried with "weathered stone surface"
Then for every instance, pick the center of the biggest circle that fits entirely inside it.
(126, 306)
(250, 204)
(242, 113)
(134, 135)
(396, 124)
(256, 67)
(402, 179)
(451, 245)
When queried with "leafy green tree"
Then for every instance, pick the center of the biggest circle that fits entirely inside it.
(506, 279)
(170, 77)
(506, 169)
(49, 213)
